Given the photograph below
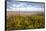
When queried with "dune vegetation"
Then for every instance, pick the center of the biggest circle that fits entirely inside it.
(25, 22)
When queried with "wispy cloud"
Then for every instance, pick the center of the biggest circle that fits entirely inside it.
(11, 4)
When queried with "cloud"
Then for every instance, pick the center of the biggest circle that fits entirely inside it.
(12, 5)
(27, 9)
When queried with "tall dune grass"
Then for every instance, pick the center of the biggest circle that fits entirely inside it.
(25, 22)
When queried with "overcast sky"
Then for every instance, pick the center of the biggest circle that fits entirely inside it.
(12, 5)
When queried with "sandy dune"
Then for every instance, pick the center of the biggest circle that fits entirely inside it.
(9, 13)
